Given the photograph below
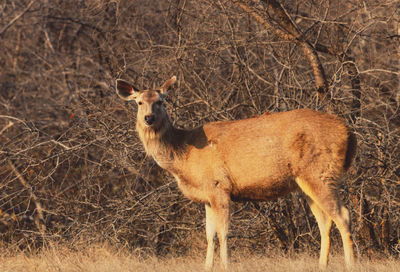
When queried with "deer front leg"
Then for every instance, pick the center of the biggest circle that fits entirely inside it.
(210, 232)
(222, 232)
(217, 221)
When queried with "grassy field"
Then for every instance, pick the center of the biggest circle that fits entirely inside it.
(104, 258)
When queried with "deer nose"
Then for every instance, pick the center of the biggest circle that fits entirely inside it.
(149, 119)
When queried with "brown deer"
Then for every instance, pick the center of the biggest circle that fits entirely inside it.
(256, 159)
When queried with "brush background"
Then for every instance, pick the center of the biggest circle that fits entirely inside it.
(74, 145)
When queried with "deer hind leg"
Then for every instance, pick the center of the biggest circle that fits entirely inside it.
(324, 224)
(329, 203)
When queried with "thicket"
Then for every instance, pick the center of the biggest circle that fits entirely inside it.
(72, 168)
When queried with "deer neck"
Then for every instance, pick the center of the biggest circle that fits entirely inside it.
(164, 144)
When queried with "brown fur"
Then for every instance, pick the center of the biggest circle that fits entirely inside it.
(259, 158)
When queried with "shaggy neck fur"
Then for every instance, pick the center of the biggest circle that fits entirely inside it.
(164, 144)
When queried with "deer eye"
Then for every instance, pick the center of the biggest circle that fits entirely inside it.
(140, 103)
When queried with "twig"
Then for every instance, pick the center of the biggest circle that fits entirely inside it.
(13, 118)
(380, 71)
(16, 18)
(39, 220)
(60, 144)
(10, 124)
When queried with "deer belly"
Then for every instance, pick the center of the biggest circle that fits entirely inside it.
(263, 190)
(257, 174)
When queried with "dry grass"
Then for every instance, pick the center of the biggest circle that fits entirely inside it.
(104, 258)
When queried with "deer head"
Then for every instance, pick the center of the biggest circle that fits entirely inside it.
(151, 112)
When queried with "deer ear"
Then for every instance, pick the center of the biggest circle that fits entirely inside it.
(126, 90)
(167, 84)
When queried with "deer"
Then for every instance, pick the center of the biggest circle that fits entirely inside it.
(256, 159)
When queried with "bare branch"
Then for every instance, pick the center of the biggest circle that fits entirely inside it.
(292, 33)
(40, 219)
(10, 124)
(4, 29)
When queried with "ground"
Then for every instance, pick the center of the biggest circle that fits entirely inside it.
(101, 258)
